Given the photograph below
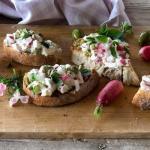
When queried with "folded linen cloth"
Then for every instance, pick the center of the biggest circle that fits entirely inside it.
(75, 12)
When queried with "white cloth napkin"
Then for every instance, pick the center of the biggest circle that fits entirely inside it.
(76, 12)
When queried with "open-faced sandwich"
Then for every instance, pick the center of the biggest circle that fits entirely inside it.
(59, 84)
(142, 97)
(110, 58)
(30, 48)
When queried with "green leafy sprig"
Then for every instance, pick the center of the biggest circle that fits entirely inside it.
(115, 33)
(13, 83)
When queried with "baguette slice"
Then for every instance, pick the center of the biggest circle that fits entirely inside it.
(63, 99)
(30, 59)
(142, 97)
(125, 73)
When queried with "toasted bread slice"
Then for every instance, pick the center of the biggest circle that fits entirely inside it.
(30, 59)
(124, 73)
(142, 97)
(30, 48)
(62, 99)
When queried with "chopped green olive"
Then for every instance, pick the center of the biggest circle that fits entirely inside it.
(76, 34)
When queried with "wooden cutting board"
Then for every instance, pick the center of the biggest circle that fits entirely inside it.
(119, 120)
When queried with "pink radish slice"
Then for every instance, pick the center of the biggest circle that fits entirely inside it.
(145, 53)
(107, 95)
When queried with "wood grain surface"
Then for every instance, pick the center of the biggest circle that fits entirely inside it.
(119, 120)
(138, 11)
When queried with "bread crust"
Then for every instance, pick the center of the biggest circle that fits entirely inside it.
(62, 99)
(29, 59)
(142, 99)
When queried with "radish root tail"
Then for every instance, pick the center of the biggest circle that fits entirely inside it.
(98, 111)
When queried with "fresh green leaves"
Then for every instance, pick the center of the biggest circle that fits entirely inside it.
(90, 40)
(13, 83)
(101, 38)
(103, 30)
(114, 33)
(32, 77)
(96, 39)
(126, 28)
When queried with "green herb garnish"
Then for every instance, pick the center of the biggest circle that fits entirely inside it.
(13, 83)
(55, 77)
(101, 38)
(113, 51)
(114, 33)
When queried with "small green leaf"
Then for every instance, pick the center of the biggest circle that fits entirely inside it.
(101, 38)
(55, 77)
(32, 77)
(115, 33)
(113, 51)
(90, 40)
(103, 30)
(126, 28)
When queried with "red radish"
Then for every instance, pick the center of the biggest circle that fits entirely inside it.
(123, 61)
(120, 48)
(107, 95)
(145, 53)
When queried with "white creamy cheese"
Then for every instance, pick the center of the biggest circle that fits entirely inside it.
(27, 41)
(102, 52)
(62, 78)
(145, 84)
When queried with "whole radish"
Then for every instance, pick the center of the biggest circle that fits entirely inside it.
(145, 53)
(107, 95)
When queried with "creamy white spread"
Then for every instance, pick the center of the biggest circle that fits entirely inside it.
(28, 41)
(145, 84)
(61, 78)
(101, 49)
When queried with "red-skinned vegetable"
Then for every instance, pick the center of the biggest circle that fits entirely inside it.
(107, 95)
(145, 53)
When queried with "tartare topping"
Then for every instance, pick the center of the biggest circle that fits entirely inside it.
(28, 41)
(58, 78)
(145, 84)
(102, 49)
